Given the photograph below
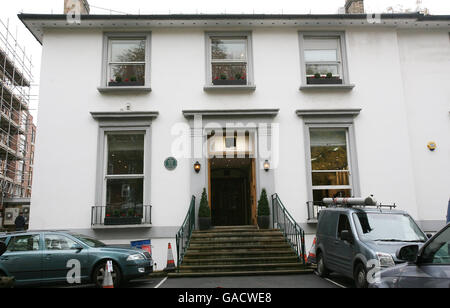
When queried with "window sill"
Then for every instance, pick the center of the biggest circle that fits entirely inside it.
(211, 88)
(124, 89)
(103, 227)
(327, 87)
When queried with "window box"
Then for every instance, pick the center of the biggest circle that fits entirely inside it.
(126, 84)
(324, 80)
(236, 82)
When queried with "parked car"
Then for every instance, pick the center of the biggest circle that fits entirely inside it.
(349, 237)
(43, 257)
(428, 267)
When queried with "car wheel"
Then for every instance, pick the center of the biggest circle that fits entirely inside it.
(360, 276)
(322, 270)
(99, 275)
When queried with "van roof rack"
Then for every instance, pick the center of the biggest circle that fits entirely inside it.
(356, 202)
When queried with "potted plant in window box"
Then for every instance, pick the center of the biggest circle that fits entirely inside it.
(128, 82)
(204, 213)
(327, 79)
(263, 211)
(223, 80)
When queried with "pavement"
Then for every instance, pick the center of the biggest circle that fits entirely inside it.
(257, 282)
(262, 282)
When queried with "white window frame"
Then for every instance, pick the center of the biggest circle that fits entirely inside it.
(332, 119)
(342, 54)
(249, 55)
(117, 122)
(349, 162)
(107, 41)
(122, 176)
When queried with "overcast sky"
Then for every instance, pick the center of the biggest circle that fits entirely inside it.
(12, 7)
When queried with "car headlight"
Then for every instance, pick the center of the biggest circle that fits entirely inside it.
(136, 257)
(385, 259)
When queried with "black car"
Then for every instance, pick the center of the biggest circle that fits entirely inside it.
(428, 267)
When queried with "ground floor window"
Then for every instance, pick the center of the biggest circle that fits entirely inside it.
(124, 176)
(330, 167)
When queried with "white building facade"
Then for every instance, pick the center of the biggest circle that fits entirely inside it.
(304, 106)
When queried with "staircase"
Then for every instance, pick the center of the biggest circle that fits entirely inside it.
(239, 251)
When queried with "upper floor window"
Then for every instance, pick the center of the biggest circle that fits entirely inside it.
(323, 56)
(229, 57)
(126, 60)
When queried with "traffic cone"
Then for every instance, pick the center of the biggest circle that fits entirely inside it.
(312, 254)
(170, 261)
(108, 282)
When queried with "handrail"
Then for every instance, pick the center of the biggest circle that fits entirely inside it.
(293, 233)
(183, 236)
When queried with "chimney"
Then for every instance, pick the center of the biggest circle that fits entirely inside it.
(354, 6)
(81, 6)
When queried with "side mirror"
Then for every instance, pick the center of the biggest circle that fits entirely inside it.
(408, 253)
(346, 236)
(429, 235)
(77, 247)
(2, 248)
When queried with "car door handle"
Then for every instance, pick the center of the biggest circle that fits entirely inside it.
(4, 258)
(336, 242)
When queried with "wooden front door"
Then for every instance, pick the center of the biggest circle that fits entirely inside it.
(230, 202)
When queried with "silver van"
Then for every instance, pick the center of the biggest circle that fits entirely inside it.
(349, 237)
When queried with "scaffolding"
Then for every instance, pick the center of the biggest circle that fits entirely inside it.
(17, 131)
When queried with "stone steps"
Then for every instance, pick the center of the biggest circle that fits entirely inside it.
(231, 261)
(305, 271)
(239, 250)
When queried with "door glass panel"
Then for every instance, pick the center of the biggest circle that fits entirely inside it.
(59, 242)
(344, 224)
(24, 243)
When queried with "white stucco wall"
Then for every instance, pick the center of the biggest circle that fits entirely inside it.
(401, 85)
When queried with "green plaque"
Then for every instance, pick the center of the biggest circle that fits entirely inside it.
(170, 163)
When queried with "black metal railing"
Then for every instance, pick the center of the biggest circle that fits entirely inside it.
(183, 236)
(293, 233)
(314, 207)
(112, 216)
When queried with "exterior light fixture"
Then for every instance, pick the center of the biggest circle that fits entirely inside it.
(432, 145)
(266, 166)
(197, 167)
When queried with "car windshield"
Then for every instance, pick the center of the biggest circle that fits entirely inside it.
(387, 227)
(89, 241)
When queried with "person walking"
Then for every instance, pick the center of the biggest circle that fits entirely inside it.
(20, 222)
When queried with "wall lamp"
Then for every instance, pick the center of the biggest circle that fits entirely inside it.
(197, 167)
(266, 166)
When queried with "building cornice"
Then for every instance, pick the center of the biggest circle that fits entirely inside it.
(328, 112)
(232, 113)
(37, 23)
(124, 115)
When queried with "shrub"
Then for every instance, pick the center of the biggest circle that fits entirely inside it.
(263, 204)
(204, 210)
